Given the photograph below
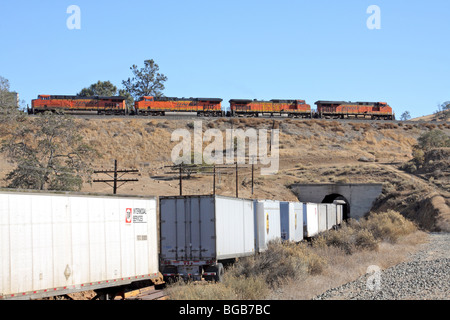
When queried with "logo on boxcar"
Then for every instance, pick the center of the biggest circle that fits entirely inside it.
(139, 215)
(267, 222)
(128, 216)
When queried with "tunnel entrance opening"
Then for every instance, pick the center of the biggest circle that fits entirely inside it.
(332, 197)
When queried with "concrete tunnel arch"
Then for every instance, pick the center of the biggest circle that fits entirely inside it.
(335, 196)
(359, 197)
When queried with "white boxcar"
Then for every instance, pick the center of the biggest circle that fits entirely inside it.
(310, 220)
(340, 210)
(322, 208)
(267, 223)
(340, 213)
(59, 243)
(199, 233)
(331, 216)
(291, 216)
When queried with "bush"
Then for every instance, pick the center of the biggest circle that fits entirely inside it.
(253, 288)
(388, 226)
(273, 264)
(418, 155)
(343, 238)
(409, 167)
(367, 233)
(434, 139)
(365, 240)
(281, 260)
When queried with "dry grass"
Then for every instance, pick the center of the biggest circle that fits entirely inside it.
(367, 233)
(342, 268)
(281, 260)
(200, 291)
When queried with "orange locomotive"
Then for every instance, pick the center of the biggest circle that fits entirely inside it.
(291, 108)
(160, 105)
(102, 105)
(343, 109)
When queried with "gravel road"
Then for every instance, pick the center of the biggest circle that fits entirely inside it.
(425, 276)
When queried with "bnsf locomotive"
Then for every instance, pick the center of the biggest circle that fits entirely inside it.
(102, 105)
(158, 106)
(252, 108)
(342, 109)
(211, 107)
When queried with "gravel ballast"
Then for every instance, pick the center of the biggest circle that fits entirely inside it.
(425, 276)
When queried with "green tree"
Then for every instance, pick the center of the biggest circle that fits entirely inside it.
(107, 89)
(146, 81)
(101, 88)
(49, 153)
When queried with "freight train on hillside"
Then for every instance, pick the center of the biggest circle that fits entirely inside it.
(57, 243)
(212, 107)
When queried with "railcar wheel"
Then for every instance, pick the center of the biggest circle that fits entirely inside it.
(220, 271)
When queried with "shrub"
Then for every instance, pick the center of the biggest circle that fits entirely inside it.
(367, 233)
(253, 288)
(276, 263)
(434, 139)
(342, 238)
(281, 260)
(409, 167)
(418, 155)
(388, 226)
(365, 240)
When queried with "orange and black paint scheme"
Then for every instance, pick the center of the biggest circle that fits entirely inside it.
(363, 110)
(158, 106)
(253, 108)
(102, 105)
(211, 107)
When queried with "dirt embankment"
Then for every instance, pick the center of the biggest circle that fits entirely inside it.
(310, 151)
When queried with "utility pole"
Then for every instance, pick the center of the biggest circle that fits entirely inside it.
(214, 180)
(181, 182)
(253, 167)
(237, 189)
(115, 179)
(180, 169)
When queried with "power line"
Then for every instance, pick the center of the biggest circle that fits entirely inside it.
(191, 169)
(115, 179)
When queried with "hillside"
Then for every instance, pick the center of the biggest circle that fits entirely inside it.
(311, 151)
(438, 116)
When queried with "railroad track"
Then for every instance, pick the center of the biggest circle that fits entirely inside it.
(187, 116)
(147, 293)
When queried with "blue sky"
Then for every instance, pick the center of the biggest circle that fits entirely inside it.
(292, 49)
